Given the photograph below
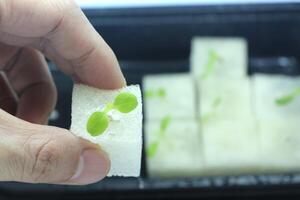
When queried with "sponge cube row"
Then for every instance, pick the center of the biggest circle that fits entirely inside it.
(187, 151)
(173, 142)
(238, 127)
(229, 131)
(244, 130)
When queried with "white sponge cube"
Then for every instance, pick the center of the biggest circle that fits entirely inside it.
(231, 147)
(179, 100)
(124, 133)
(280, 145)
(225, 99)
(267, 89)
(179, 151)
(231, 52)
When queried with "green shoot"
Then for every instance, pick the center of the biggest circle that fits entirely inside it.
(98, 121)
(161, 93)
(108, 107)
(209, 67)
(125, 102)
(286, 99)
(164, 124)
(152, 149)
(215, 104)
(149, 93)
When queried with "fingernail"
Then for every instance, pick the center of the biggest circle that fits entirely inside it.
(92, 167)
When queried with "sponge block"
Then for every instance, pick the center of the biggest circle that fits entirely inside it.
(280, 141)
(124, 133)
(231, 148)
(231, 52)
(178, 101)
(179, 150)
(267, 89)
(225, 99)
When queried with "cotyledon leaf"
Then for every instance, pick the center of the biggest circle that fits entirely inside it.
(152, 149)
(286, 99)
(97, 123)
(210, 65)
(165, 123)
(125, 102)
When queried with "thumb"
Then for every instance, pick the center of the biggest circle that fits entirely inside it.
(43, 154)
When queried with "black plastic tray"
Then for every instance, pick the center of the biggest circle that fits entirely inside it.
(157, 40)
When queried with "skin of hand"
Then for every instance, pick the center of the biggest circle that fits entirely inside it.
(30, 151)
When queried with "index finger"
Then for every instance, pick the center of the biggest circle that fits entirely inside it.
(62, 32)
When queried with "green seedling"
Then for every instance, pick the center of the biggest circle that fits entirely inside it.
(164, 124)
(98, 121)
(286, 99)
(152, 148)
(209, 67)
(215, 104)
(160, 93)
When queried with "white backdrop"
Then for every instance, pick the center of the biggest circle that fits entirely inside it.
(145, 3)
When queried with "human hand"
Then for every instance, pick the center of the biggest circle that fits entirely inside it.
(57, 29)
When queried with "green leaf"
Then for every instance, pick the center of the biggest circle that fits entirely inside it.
(161, 92)
(206, 118)
(97, 123)
(217, 102)
(165, 122)
(210, 65)
(286, 99)
(152, 149)
(149, 93)
(125, 102)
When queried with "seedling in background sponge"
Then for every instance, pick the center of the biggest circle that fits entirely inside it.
(161, 93)
(215, 104)
(209, 67)
(98, 121)
(284, 100)
(164, 124)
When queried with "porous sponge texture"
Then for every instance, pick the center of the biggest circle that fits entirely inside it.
(122, 140)
(267, 89)
(179, 101)
(232, 52)
(179, 150)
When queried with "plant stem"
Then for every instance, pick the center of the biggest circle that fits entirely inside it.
(108, 108)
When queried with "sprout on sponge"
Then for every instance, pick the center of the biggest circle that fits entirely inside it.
(160, 93)
(153, 146)
(286, 99)
(98, 122)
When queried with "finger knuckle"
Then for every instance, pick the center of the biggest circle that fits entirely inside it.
(46, 155)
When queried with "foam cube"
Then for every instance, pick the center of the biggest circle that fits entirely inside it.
(169, 94)
(230, 147)
(124, 133)
(227, 57)
(280, 145)
(225, 99)
(267, 89)
(179, 151)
